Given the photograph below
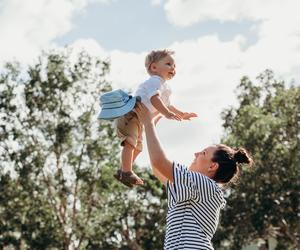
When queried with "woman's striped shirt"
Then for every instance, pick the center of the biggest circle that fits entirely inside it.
(194, 203)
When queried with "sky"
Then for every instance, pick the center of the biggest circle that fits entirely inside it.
(215, 42)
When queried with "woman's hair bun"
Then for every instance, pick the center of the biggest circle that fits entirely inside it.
(241, 156)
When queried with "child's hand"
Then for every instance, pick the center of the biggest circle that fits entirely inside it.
(188, 116)
(173, 116)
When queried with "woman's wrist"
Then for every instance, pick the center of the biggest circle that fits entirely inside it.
(148, 123)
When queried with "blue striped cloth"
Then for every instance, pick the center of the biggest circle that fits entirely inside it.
(194, 203)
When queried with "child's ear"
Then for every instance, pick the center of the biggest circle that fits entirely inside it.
(153, 66)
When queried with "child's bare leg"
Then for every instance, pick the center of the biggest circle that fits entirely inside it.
(127, 157)
(135, 154)
(126, 175)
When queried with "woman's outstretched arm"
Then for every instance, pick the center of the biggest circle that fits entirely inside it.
(158, 159)
(159, 176)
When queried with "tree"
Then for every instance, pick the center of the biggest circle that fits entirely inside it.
(57, 160)
(266, 201)
(133, 219)
(54, 146)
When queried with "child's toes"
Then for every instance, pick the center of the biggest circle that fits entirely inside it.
(139, 181)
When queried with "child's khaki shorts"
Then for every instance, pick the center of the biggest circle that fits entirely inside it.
(130, 129)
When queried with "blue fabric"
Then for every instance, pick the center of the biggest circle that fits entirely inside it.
(115, 104)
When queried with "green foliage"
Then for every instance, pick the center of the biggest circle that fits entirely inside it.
(57, 162)
(130, 219)
(266, 201)
(47, 115)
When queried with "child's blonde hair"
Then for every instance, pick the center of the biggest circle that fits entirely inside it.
(155, 56)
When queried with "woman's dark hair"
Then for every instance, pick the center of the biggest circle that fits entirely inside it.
(230, 161)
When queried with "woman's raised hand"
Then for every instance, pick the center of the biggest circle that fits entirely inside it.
(143, 113)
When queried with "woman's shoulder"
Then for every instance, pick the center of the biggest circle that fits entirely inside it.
(179, 166)
(195, 178)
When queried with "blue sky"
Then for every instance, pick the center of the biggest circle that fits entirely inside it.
(138, 25)
(216, 43)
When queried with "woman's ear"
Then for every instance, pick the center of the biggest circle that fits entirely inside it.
(214, 167)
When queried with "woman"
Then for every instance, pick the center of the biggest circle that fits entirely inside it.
(194, 196)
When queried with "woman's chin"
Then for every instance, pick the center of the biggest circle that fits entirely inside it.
(192, 166)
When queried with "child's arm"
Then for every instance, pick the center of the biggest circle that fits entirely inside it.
(175, 110)
(162, 108)
(183, 115)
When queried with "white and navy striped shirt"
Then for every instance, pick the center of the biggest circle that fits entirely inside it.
(194, 203)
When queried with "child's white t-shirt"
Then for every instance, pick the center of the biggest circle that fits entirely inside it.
(153, 86)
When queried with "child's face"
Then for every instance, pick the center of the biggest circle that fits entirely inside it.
(165, 68)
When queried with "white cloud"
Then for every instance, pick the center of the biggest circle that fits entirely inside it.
(156, 2)
(207, 72)
(27, 27)
(185, 13)
(208, 69)
(101, 1)
(90, 46)
(276, 23)
(127, 69)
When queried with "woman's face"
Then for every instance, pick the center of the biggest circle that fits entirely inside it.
(203, 162)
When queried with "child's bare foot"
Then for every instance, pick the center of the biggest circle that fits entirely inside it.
(128, 178)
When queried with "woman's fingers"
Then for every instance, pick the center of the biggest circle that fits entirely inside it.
(138, 107)
(143, 113)
(141, 106)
